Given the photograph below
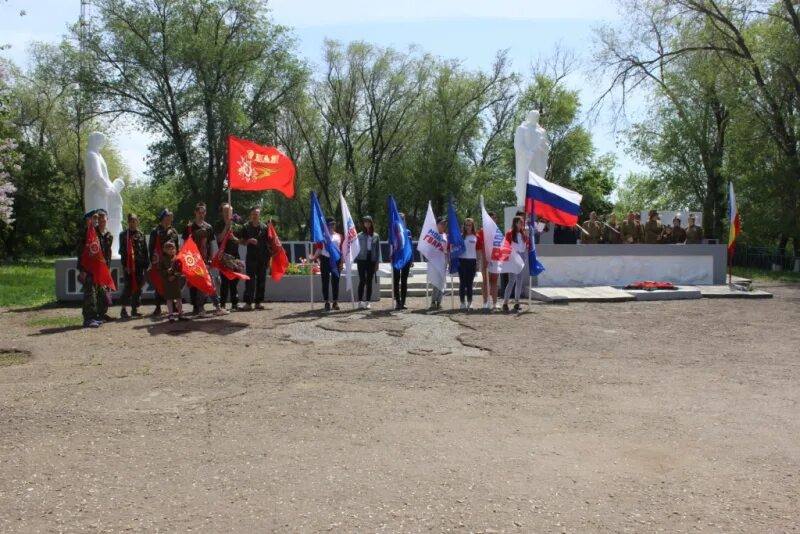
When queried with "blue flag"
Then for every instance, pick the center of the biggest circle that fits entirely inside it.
(454, 237)
(321, 234)
(535, 268)
(399, 238)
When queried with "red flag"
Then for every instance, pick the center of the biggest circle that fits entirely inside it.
(93, 261)
(217, 261)
(194, 268)
(253, 167)
(155, 276)
(279, 260)
(132, 266)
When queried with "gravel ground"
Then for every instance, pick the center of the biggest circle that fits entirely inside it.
(629, 417)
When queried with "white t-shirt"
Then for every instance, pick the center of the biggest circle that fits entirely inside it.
(520, 245)
(336, 237)
(470, 244)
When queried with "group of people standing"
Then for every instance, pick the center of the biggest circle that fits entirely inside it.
(156, 259)
(633, 231)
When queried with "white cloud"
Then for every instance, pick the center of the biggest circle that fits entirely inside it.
(302, 13)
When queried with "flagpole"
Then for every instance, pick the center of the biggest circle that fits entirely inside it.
(530, 286)
(310, 274)
(452, 293)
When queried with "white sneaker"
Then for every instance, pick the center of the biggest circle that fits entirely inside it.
(496, 305)
(463, 305)
(486, 305)
(469, 304)
(367, 306)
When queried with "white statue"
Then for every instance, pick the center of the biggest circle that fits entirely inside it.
(531, 150)
(99, 191)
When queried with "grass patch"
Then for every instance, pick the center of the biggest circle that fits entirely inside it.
(8, 358)
(28, 284)
(64, 320)
(764, 274)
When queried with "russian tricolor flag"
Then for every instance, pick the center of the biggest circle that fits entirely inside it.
(551, 201)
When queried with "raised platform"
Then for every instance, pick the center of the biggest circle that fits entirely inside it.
(580, 294)
(680, 293)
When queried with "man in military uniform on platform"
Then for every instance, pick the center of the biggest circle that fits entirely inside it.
(678, 232)
(694, 234)
(630, 230)
(653, 229)
(254, 235)
(228, 226)
(139, 263)
(106, 242)
(612, 234)
(159, 237)
(593, 230)
(91, 319)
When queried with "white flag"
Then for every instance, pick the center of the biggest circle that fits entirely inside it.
(350, 246)
(501, 257)
(433, 246)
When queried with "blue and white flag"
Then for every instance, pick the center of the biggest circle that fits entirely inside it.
(399, 238)
(350, 246)
(433, 246)
(321, 234)
(454, 237)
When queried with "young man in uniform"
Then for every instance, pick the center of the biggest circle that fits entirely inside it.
(612, 234)
(106, 242)
(159, 237)
(91, 319)
(594, 230)
(133, 267)
(227, 226)
(678, 232)
(653, 229)
(694, 234)
(630, 230)
(254, 235)
(203, 235)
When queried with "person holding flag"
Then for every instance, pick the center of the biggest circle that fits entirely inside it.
(279, 261)
(402, 254)
(433, 245)
(89, 266)
(171, 271)
(519, 238)
(499, 254)
(226, 259)
(455, 243)
(350, 244)
(735, 230)
(135, 259)
(328, 248)
(330, 274)
(158, 238)
(467, 263)
(367, 260)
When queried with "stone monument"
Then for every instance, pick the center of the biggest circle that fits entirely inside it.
(531, 151)
(99, 190)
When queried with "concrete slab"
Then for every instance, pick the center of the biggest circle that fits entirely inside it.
(681, 293)
(727, 292)
(580, 294)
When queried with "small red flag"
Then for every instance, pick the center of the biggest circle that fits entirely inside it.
(155, 276)
(132, 266)
(194, 268)
(93, 261)
(224, 270)
(253, 167)
(279, 260)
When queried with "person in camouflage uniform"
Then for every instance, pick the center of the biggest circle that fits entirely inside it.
(106, 239)
(612, 234)
(653, 229)
(694, 234)
(678, 232)
(140, 261)
(593, 230)
(228, 226)
(630, 229)
(91, 319)
(160, 235)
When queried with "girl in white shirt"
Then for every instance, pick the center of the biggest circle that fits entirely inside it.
(467, 264)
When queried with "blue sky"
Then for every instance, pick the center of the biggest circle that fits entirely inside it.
(469, 30)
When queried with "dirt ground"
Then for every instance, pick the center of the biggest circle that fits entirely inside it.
(631, 417)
